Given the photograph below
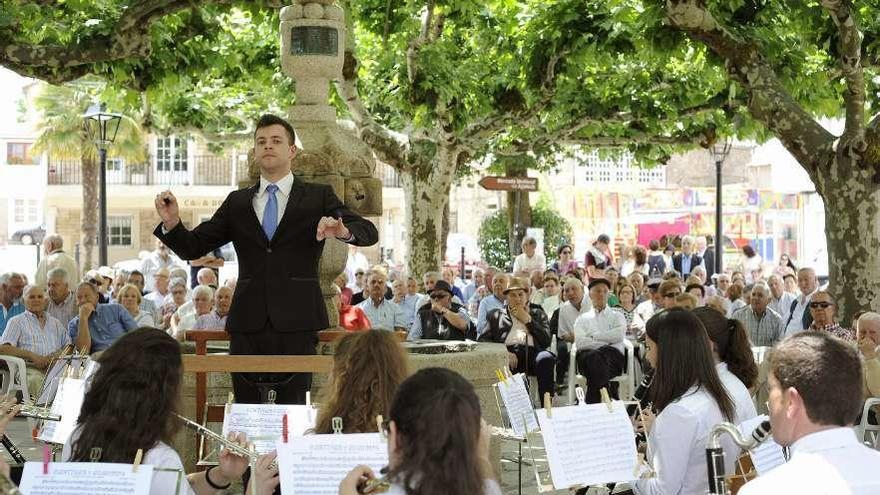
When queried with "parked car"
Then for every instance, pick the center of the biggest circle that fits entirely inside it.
(33, 235)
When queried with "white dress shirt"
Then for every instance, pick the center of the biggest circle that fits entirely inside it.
(739, 394)
(281, 196)
(828, 462)
(646, 309)
(782, 305)
(568, 314)
(795, 323)
(595, 329)
(677, 447)
(523, 263)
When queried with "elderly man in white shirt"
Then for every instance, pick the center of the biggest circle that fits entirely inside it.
(815, 393)
(53, 246)
(780, 301)
(599, 335)
(563, 322)
(798, 318)
(35, 336)
(161, 257)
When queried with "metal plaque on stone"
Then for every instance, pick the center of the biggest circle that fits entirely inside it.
(314, 40)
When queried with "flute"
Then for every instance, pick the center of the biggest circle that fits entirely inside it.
(228, 444)
(37, 412)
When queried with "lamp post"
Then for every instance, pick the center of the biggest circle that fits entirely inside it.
(719, 150)
(102, 128)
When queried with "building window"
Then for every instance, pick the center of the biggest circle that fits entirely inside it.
(119, 230)
(26, 211)
(619, 168)
(19, 154)
(171, 154)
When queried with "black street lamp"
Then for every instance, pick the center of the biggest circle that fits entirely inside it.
(719, 150)
(102, 128)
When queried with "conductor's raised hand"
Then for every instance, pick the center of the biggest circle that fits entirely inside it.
(168, 209)
(331, 227)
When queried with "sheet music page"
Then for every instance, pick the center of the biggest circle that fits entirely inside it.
(588, 445)
(518, 404)
(85, 478)
(769, 454)
(67, 403)
(315, 464)
(263, 422)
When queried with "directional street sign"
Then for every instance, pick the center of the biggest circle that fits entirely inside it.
(493, 183)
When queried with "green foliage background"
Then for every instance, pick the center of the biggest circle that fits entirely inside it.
(492, 236)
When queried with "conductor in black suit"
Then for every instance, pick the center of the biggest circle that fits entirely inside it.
(278, 227)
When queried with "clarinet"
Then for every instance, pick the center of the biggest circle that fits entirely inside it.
(13, 450)
(639, 396)
(715, 454)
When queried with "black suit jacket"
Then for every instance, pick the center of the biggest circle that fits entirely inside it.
(277, 279)
(709, 259)
(499, 324)
(695, 262)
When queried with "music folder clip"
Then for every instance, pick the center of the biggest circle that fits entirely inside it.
(548, 404)
(379, 421)
(308, 398)
(499, 375)
(284, 428)
(336, 424)
(137, 460)
(606, 398)
(271, 396)
(46, 458)
(581, 396)
(95, 454)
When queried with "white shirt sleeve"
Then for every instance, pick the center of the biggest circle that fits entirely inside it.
(670, 442)
(612, 330)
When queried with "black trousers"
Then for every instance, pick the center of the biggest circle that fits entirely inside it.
(537, 363)
(563, 358)
(599, 366)
(290, 388)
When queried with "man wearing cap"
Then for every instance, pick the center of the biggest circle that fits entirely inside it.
(383, 313)
(524, 329)
(443, 318)
(598, 335)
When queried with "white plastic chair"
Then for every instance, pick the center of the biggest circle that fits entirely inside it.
(867, 433)
(626, 381)
(760, 353)
(15, 380)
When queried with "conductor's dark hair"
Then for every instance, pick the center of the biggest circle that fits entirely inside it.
(437, 415)
(826, 372)
(684, 360)
(268, 119)
(132, 398)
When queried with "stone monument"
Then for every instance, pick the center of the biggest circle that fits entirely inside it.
(312, 53)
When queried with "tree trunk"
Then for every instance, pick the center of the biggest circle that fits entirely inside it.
(517, 223)
(852, 230)
(89, 211)
(427, 197)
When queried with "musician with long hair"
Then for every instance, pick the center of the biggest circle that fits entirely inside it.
(735, 362)
(131, 404)
(367, 369)
(690, 400)
(437, 442)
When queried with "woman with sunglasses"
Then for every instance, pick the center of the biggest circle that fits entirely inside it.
(669, 290)
(690, 399)
(437, 441)
(824, 313)
(565, 263)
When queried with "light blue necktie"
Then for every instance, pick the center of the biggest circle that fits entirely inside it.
(270, 215)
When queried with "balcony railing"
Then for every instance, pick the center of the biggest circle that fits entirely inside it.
(389, 176)
(202, 170)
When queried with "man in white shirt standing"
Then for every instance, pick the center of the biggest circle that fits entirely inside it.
(599, 335)
(799, 317)
(529, 260)
(815, 394)
(55, 257)
(161, 257)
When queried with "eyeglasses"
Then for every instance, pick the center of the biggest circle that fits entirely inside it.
(672, 294)
(823, 305)
(566, 252)
(359, 274)
(437, 297)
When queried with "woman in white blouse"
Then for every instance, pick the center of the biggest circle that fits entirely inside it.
(690, 398)
(130, 405)
(130, 298)
(437, 443)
